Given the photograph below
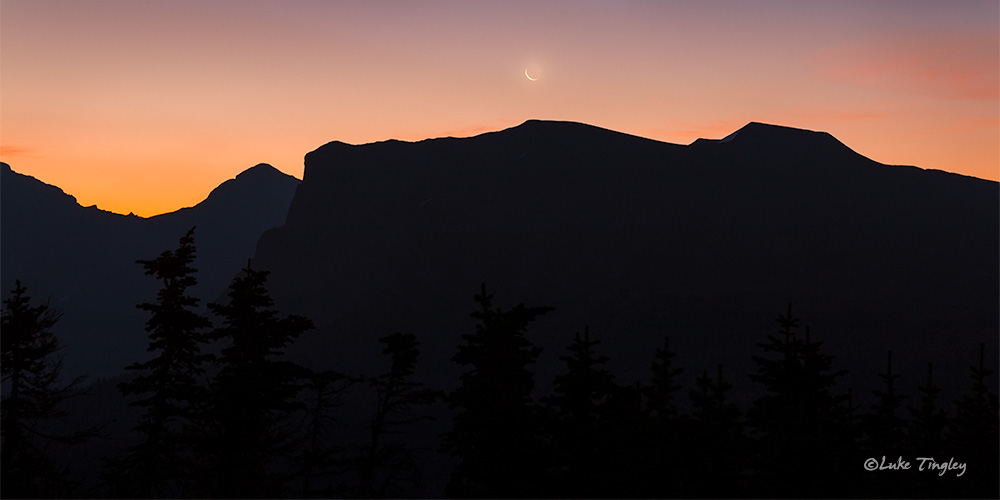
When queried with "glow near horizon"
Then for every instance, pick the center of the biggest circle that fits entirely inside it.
(146, 106)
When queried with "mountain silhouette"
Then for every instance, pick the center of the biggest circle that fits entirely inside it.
(83, 259)
(638, 238)
(630, 239)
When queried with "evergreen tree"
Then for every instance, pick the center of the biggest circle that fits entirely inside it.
(582, 398)
(926, 436)
(495, 434)
(252, 392)
(660, 394)
(885, 427)
(389, 469)
(721, 448)
(927, 427)
(801, 441)
(31, 369)
(166, 387)
(321, 460)
(974, 435)
(669, 437)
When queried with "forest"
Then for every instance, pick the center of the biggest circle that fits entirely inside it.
(224, 413)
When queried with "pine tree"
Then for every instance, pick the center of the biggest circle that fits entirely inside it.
(495, 434)
(668, 435)
(926, 435)
(927, 427)
(166, 387)
(321, 460)
(31, 369)
(721, 446)
(582, 399)
(660, 393)
(252, 392)
(389, 469)
(974, 434)
(799, 421)
(885, 427)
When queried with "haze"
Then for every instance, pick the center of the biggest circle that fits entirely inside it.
(145, 106)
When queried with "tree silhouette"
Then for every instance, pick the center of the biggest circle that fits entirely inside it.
(582, 398)
(495, 432)
(925, 435)
(974, 434)
(669, 437)
(166, 386)
(389, 469)
(319, 459)
(927, 427)
(721, 447)
(31, 369)
(660, 393)
(885, 426)
(253, 390)
(798, 420)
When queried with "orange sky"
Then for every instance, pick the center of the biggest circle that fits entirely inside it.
(146, 106)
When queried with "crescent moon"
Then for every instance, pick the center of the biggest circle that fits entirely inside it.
(529, 76)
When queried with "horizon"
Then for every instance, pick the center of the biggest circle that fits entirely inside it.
(146, 107)
(415, 141)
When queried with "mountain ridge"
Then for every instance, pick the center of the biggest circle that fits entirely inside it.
(84, 257)
(628, 234)
(756, 132)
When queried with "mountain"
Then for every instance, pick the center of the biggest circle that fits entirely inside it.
(83, 259)
(636, 239)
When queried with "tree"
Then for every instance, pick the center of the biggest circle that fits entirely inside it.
(582, 398)
(974, 434)
(320, 459)
(669, 437)
(166, 387)
(798, 421)
(389, 469)
(495, 434)
(252, 392)
(927, 427)
(31, 367)
(660, 393)
(926, 434)
(885, 427)
(720, 446)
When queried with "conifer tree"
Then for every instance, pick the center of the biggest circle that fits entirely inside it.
(31, 369)
(720, 450)
(389, 469)
(798, 421)
(660, 394)
(669, 437)
(885, 427)
(927, 427)
(926, 435)
(166, 387)
(321, 460)
(495, 434)
(582, 398)
(974, 434)
(252, 392)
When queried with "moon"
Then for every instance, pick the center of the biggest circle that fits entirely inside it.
(529, 76)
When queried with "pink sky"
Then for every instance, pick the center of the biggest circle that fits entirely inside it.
(146, 106)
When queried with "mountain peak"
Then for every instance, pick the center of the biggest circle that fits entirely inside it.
(765, 131)
(252, 182)
(756, 138)
(261, 171)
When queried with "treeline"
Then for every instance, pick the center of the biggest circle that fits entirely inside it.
(224, 414)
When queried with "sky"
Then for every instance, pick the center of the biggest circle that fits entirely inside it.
(145, 106)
